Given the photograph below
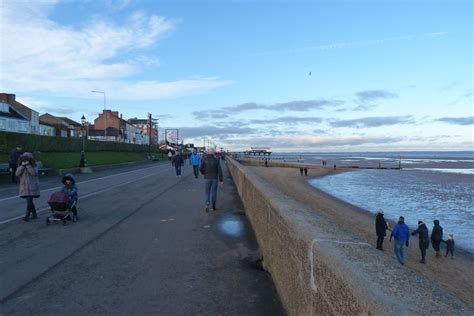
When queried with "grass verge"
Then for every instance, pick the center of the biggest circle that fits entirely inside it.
(67, 160)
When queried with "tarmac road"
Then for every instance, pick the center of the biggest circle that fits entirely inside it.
(143, 245)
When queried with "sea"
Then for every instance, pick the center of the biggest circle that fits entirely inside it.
(429, 186)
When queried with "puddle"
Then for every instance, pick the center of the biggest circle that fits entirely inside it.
(232, 227)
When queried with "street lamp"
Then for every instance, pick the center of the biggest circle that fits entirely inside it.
(82, 163)
(105, 107)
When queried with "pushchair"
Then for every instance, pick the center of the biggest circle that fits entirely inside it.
(61, 208)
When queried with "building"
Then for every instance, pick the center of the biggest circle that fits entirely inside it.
(110, 126)
(63, 126)
(47, 129)
(144, 126)
(17, 117)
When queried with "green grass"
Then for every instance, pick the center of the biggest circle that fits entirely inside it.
(67, 160)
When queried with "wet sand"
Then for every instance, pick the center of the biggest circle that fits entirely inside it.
(455, 276)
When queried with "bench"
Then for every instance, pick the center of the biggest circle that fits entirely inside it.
(41, 169)
(4, 168)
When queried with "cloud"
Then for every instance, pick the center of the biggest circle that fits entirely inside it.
(373, 121)
(305, 142)
(213, 131)
(374, 95)
(457, 120)
(341, 45)
(295, 106)
(98, 55)
(290, 120)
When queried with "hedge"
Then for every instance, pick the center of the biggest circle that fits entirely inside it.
(35, 143)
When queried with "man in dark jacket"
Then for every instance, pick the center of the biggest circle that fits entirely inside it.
(212, 171)
(380, 228)
(14, 156)
(436, 237)
(177, 162)
(424, 240)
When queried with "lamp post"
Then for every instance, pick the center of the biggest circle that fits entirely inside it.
(105, 114)
(82, 163)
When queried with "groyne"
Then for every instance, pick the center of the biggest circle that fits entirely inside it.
(320, 270)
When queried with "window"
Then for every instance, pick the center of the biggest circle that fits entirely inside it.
(3, 124)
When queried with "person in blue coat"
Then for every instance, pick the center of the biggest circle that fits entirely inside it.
(195, 161)
(401, 233)
(70, 189)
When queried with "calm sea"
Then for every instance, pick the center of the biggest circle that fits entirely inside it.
(430, 185)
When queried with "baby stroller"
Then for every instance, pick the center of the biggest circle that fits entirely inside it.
(61, 208)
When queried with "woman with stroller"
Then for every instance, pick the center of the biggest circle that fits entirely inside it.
(70, 189)
(27, 171)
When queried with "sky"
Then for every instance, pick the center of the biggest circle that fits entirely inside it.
(291, 75)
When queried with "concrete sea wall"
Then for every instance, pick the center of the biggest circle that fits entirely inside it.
(320, 270)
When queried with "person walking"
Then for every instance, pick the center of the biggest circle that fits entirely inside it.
(450, 246)
(27, 171)
(212, 171)
(401, 233)
(13, 163)
(301, 171)
(305, 172)
(381, 227)
(436, 237)
(177, 162)
(195, 161)
(170, 155)
(424, 241)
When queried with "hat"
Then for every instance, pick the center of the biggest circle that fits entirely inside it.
(380, 211)
(401, 218)
(420, 222)
(450, 236)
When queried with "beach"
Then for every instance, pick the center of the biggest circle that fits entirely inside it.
(455, 276)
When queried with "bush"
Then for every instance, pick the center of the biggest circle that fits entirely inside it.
(39, 143)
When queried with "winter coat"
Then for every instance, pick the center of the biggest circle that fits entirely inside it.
(177, 160)
(423, 236)
(195, 159)
(14, 156)
(437, 233)
(71, 190)
(210, 168)
(449, 244)
(28, 174)
(401, 232)
(380, 225)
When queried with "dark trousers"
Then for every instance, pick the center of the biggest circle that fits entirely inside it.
(436, 244)
(30, 207)
(13, 168)
(380, 242)
(178, 169)
(450, 251)
(196, 171)
(423, 252)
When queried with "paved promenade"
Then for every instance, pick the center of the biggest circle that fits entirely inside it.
(143, 245)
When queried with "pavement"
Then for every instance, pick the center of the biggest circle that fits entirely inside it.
(143, 245)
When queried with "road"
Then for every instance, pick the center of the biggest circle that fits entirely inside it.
(143, 245)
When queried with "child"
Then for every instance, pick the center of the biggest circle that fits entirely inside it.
(70, 189)
(450, 246)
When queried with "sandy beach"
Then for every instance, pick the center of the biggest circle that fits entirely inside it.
(455, 276)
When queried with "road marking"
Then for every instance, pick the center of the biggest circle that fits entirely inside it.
(87, 195)
(86, 181)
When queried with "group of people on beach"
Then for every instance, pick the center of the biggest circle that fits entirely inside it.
(401, 234)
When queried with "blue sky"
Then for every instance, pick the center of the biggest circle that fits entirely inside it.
(290, 75)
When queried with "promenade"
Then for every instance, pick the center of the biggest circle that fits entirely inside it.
(143, 245)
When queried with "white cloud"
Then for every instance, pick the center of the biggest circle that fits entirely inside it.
(39, 54)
